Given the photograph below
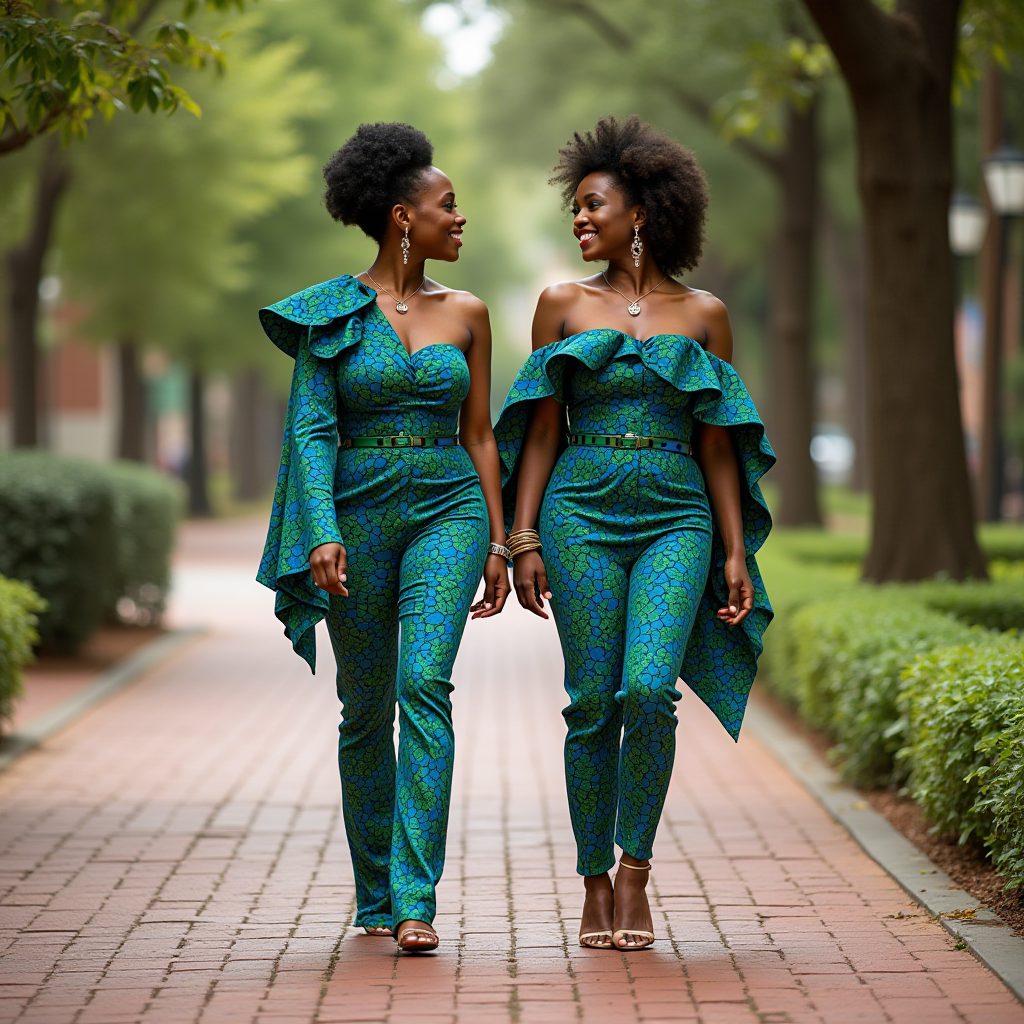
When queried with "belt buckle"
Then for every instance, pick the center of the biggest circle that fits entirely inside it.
(402, 440)
(635, 438)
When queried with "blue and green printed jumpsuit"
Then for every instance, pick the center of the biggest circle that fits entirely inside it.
(636, 567)
(414, 523)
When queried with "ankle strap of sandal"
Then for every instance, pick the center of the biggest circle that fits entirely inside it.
(634, 867)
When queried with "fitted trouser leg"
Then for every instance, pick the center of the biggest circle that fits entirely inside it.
(588, 585)
(364, 634)
(665, 587)
(440, 571)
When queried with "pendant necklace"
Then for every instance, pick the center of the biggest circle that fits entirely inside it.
(634, 304)
(400, 305)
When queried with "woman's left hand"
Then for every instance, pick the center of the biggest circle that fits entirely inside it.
(741, 591)
(496, 588)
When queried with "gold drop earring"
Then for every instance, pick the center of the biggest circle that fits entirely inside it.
(406, 244)
(637, 248)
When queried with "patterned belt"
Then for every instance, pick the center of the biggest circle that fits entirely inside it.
(402, 440)
(632, 442)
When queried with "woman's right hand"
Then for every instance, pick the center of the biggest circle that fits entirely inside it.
(531, 582)
(329, 565)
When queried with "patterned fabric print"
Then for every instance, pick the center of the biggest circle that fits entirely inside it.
(414, 524)
(635, 566)
(624, 610)
(720, 661)
(417, 540)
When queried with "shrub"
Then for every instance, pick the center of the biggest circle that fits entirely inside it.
(146, 507)
(998, 605)
(84, 535)
(849, 656)
(19, 608)
(57, 533)
(965, 745)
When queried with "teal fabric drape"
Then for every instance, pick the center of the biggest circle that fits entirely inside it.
(311, 326)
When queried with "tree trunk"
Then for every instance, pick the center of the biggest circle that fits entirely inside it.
(249, 420)
(899, 71)
(991, 263)
(844, 260)
(198, 493)
(131, 428)
(25, 269)
(790, 322)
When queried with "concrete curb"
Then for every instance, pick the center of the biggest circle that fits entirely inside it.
(126, 671)
(992, 941)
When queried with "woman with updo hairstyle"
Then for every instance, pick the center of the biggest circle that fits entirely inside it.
(388, 509)
(631, 453)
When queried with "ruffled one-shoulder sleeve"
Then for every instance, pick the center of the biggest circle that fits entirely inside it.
(312, 326)
(721, 660)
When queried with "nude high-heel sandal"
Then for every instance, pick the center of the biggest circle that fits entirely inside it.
(621, 933)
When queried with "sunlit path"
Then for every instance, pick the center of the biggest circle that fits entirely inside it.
(178, 856)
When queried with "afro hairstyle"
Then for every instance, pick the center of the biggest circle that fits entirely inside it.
(378, 167)
(652, 170)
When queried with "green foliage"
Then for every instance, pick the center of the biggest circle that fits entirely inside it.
(57, 533)
(907, 681)
(146, 508)
(787, 73)
(150, 233)
(84, 535)
(990, 30)
(998, 605)
(20, 606)
(61, 67)
(849, 655)
(965, 746)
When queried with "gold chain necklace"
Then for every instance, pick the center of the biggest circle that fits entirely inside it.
(400, 305)
(634, 304)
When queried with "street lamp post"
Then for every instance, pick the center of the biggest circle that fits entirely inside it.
(967, 223)
(1004, 180)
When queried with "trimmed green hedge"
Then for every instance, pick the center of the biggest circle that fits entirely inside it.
(918, 684)
(146, 508)
(20, 606)
(85, 535)
(965, 747)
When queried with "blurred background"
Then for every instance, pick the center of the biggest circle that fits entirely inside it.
(167, 233)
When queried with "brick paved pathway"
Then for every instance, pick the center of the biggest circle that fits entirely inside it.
(178, 856)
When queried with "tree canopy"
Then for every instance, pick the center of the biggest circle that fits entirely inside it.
(59, 68)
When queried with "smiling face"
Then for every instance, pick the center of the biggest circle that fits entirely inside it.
(434, 221)
(603, 218)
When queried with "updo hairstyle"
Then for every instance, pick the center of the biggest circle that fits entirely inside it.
(653, 171)
(378, 167)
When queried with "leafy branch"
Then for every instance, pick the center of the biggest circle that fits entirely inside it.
(56, 73)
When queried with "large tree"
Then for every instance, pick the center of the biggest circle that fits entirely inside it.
(60, 67)
(899, 66)
(152, 238)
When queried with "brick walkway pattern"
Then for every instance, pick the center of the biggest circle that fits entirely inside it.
(178, 856)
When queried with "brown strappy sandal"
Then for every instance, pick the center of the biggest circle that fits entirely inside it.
(620, 933)
(416, 938)
(378, 930)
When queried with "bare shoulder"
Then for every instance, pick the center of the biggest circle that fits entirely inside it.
(557, 298)
(706, 305)
(711, 312)
(466, 304)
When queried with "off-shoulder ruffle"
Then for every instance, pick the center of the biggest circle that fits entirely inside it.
(320, 317)
(314, 313)
(721, 660)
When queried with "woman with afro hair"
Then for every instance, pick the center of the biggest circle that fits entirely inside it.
(388, 510)
(631, 453)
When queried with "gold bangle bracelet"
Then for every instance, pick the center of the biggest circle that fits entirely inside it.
(522, 541)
